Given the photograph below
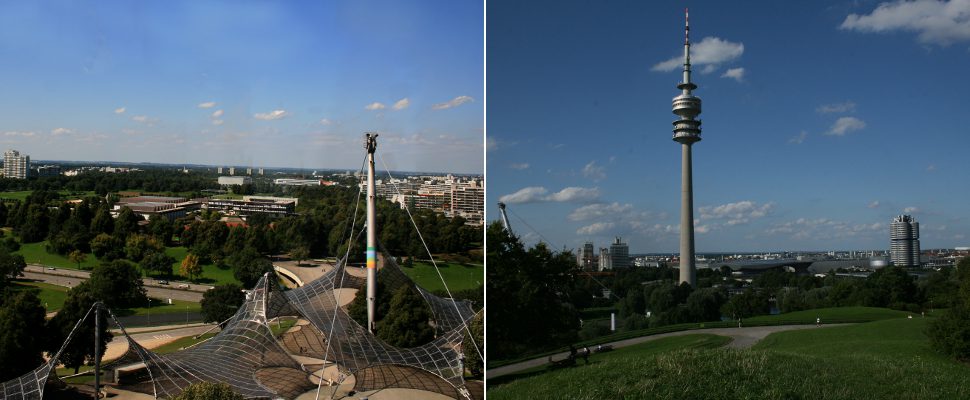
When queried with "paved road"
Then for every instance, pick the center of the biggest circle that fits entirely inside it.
(151, 340)
(188, 286)
(72, 280)
(743, 338)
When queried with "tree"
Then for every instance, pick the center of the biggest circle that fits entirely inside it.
(138, 246)
(78, 257)
(300, 253)
(705, 304)
(190, 266)
(406, 323)
(249, 272)
(526, 292)
(11, 266)
(950, 333)
(35, 226)
(157, 262)
(747, 304)
(79, 301)
(161, 229)
(102, 222)
(221, 302)
(126, 223)
(21, 334)
(118, 284)
(107, 247)
(208, 391)
(473, 362)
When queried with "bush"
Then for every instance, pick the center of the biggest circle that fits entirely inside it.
(208, 391)
(950, 334)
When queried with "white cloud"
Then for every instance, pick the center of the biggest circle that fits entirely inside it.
(931, 167)
(401, 104)
(845, 125)
(595, 228)
(935, 22)
(799, 138)
(20, 133)
(217, 122)
(375, 106)
(734, 73)
(709, 51)
(534, 194)
(217, 113)
(838, 108)
(519, 166)
(911, 210)
(826, 229)
(455, 102)
(61, 131)
(738, 213)
(120, 110)
(272, 115)
(874, 204)
(144, 119)
(599, 210)
(325, 122)
(208, 104)
(594, 172)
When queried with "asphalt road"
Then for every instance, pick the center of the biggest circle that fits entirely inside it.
(60, 278)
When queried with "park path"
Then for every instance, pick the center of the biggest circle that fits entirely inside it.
(742, 338)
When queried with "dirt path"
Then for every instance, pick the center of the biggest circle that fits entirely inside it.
(742, 338)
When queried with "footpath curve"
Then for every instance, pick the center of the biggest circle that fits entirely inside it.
(742, 338)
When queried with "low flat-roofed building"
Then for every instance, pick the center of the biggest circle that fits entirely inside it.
(146, 206)
(235, 180)
(278, 207)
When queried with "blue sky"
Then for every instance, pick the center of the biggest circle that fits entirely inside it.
(821, 121)
(261, 83)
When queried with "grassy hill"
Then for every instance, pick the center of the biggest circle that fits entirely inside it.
(458, 276)
(890, 358)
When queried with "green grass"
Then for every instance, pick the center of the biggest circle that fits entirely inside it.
(642, 350)
(36, 253)
(458, 276)
(180, 343)
(51, 296)
(160, 306)
(890, 358)
(828, 315)
(65, 195)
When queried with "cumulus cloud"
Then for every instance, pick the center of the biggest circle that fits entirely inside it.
(845, 125)
(519, 166)
(934, 21)
(594, 172)
(208, 104)
(838, 108)
(455, 102)
(600, 210)
(144, 119)
(401, 104)
(61, 131)
(911, 210)
(799, 138)
(217, 113)
(20, 133)
(272, 115)
(826, 229)
(375, 106)
(535, 194)
(595, 228)
(734, 73)
(737, 213)
(874, 204)
(120, 110)
(325, 122)
(710, 51)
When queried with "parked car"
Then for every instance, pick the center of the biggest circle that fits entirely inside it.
(162, 282)
(51, 269)
(183, 286)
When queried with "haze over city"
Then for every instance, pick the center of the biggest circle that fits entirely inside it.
(822, 121)
(291, 84)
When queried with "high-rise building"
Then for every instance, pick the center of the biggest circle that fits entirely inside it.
(587, 259)
(606, 262)
(904, 241)
(15, 165)
(619, 254)
(687, 131)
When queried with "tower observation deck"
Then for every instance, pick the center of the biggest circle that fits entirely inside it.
(687, 131)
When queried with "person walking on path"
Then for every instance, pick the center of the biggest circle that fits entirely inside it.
(818, 321)
(586, 354)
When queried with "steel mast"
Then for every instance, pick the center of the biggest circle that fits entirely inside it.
(371, 145)
(505, 218)
(687, 131)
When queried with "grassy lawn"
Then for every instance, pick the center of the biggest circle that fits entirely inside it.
(51, 296)
(160, 306)
(65, 195)
(36, 253)
(458, 276)
(890, 358)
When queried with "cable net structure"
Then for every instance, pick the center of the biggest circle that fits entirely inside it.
(247, 355)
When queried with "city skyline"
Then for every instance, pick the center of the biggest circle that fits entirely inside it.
(814, 123)
(292, 84)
